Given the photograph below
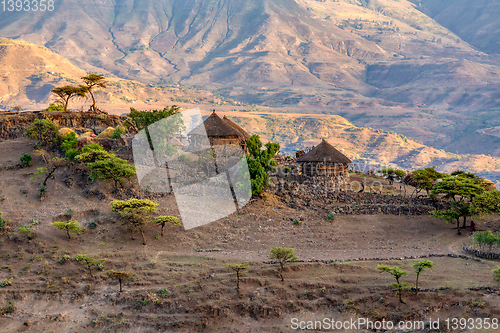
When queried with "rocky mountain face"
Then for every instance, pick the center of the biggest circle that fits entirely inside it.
(396, 65)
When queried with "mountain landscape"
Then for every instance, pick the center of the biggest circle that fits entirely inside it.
(403, 66)
(106, 226)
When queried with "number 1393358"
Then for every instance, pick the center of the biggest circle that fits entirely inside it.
(27, 5)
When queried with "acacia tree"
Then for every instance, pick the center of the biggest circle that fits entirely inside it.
(424, 179)
(93, 81)
(66, 93)
(419, 268)
(120, 276)
(238, 269)
(461, 191)
(397, 273)
(71, 227)
(162, 220)
(89, 261)
(487, 203)
(135, 213)
(282, 255)
(107, 167)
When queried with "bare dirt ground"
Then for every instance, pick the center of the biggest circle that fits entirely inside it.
(181, 282)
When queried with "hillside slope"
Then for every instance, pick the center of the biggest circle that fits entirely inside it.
(477, 22)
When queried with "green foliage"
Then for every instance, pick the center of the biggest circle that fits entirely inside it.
(93, 81)
(26, 159)
(238, 269)
(54, 107)
(107, 167)
(330, 217)
(135, 213)
(92, 147)
(63, 259)
(260, 161)
(44, 130)
(3, 225)
(89, 261)
(68, 92)
(398, 173)
(496, 274)
(162, 220)
(120, 276)
(142, 119)
(462, 189)
(424, 179)
(287, 169)
(487, 203)
(68, 142)
(118, 132)
(93, 224)
(487, 239)
(397, 273)
(282, 255)
(42, 190)
(9, 309)
(419, 267)
(71, 154)
(71, 227)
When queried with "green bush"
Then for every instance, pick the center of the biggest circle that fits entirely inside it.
(92, 147)
(26, 159)
(44, 130)
(54, 107)
(72, 154)
(69, 142)
(118, 132)
(260, 162)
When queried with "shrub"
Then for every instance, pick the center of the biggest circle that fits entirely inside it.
(119, 275)
(135, 213)
(44, 130)
(93, 224)
(238, 269)
(70, 227)
(282, 255)
(3, 225)
(260, 162)
(118, 132)
(89, 261)
(72, 154)
(69, 142)
(54, 107)
(26, 159)
(92, 147)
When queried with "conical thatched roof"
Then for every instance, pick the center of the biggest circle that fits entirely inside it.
(237, 127)
(215, 126)
(325, 152)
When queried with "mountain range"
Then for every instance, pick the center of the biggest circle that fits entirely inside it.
(427, 69)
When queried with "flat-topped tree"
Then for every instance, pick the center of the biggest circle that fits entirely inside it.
(89, 261)
(419, 268)
(162, 220)
(397, 273)
(70, 227)
(93, 81)
(120, 276)
(238, 269)
(282, 255)
(66, 93)
(135, 213)
(461, 190)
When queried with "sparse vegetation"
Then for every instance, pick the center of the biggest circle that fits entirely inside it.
(26, 159)
(135, 213)
(238, 269)
(419, 268)
(162, 220)
(283, 255)
(120, 276)
(70, 227)
(397, 273)
(89, 261)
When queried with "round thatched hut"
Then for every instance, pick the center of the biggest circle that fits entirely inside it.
(324, 160)
(220, 132)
